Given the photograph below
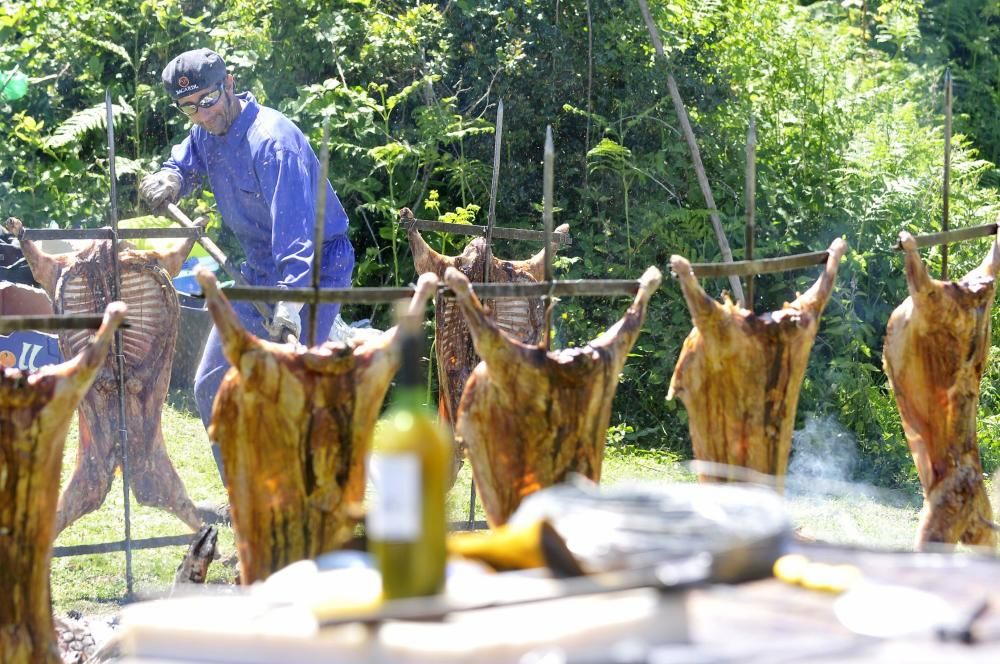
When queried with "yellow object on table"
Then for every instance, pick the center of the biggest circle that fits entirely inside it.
(796, 569)
(506, 547)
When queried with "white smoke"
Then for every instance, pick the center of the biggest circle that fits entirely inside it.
(824, 454)
(826, 504)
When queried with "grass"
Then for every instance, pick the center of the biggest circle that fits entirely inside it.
(95, 584)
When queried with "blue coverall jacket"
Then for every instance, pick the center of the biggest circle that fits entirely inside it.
(264, 175)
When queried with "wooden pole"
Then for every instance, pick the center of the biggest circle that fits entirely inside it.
(699, 168)
(759, 266)
(957, 235)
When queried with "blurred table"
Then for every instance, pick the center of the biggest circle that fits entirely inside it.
(772, 621)
(766, 621)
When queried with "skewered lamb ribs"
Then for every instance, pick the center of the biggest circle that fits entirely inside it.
(81, 283)
(294, 426)
(35, 413)
(739, 374)
(935, 351)
(528, 416)
(521, 319)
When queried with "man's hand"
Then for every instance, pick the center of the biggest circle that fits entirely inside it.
(286, 316)
(160, 188)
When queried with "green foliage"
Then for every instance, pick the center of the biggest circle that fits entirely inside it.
(846, 97)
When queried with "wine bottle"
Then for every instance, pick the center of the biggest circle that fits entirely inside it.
(408, 467)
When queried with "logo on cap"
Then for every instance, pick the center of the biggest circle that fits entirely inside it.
(183, 81)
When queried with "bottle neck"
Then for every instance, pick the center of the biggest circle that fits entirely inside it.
(410, 385)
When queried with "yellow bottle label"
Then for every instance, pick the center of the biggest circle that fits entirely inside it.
(395, 513)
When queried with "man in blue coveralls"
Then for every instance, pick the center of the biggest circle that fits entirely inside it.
(264, 175)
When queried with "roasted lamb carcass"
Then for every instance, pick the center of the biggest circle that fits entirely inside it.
(521, 319)
(739, 374)
(935, 351)
(529, 417)
(81, 283)
(35, 413)
(294, 426)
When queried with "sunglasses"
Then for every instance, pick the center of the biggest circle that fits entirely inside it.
(208, 101)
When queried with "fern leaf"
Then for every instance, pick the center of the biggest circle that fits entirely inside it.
(108, 46)
(81, 123)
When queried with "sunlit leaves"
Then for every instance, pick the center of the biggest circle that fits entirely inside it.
(83, 122)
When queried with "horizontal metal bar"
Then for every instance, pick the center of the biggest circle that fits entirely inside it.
(562, 239)
(111, 547)
(761, 266)
(352, 295)
(36, 234)
(465, 525)
(558, 288)
(184, 540)
(158, 233)
(51, 322)
(957, 235)
(492, 291)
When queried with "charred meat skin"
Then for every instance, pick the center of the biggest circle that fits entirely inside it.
(35, 414)
(528, 416)
(294, 426)
(739, 374)
(81, 283)
(521, 319)
(935, 352)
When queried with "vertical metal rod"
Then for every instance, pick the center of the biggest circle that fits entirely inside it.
(490, 221)
(119, 347)
(491, 215)
(946, 186)
(319, 229)
(548, 178)
(750, 192)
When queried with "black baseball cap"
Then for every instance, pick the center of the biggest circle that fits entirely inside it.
(193, 71)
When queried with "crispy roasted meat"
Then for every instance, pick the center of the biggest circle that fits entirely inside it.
(935, 351)
(521, 319)
(294, 425)
(35, 413)
(528, 416)
(81, 282)
(739, 374)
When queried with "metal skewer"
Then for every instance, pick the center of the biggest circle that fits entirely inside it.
(548, 178)
(319, 228)
(119, 347)
(946, 185)
(750, 191)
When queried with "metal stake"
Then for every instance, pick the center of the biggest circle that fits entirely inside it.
(119, 347)
(750, 191)
(491, 215)
(548, 177)
(319, 228)
(946, 186)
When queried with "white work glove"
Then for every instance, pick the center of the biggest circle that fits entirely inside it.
(163, 186)
(286, 316)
